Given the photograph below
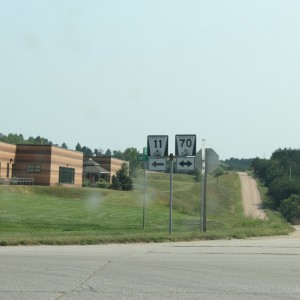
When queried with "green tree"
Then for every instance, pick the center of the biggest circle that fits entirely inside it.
(115, 183)
(282, 188)
(87, 151)
(30, 140)
(267, 170)
(219, 171)
(78, 147)
(122, 176)
(108, 152)
(64, 146)
(12, 138)
(289, 160)
(281, 174)
(130, 155)
(118, 154)
(290, 209)
(38, 140)
(98, 151)
(238, 164)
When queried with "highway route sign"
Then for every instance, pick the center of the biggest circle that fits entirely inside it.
(185, 163)
(185, 145)
(157, 145)
(157, 164)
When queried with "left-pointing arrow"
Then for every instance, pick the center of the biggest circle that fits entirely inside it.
(157, 164)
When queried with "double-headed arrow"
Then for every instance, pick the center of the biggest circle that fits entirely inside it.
(183, 163)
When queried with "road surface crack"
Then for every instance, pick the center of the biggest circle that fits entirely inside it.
(83, 285)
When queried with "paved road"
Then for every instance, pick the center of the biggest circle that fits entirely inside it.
(230, 269)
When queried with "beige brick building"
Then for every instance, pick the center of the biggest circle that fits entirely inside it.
(47, 165)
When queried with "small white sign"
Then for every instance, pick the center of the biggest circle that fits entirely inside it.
(157, 145)
(157, 164)
(185, 163)
(185, 145)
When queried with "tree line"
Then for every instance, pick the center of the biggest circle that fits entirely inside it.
(237, 164)
(13, 138)
(281, 175)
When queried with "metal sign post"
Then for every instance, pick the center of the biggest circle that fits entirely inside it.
(203, 189)
(144, 203)
(171, 193)
(144, 158)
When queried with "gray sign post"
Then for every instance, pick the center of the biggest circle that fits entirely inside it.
(171, 193)
(144, 158)
(144, 202)
(203, 189)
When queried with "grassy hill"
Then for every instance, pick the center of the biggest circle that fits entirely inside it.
(60, 215)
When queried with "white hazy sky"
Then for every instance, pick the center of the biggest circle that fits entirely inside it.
(107, 74)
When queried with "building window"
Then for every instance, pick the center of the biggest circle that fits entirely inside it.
(33, 169)
(66, 175)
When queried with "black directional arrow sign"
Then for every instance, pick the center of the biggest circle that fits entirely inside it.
(185, 163)
(157, 164)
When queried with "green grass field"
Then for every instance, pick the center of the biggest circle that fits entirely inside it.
(32, 215)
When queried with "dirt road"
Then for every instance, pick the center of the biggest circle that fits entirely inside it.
(251, 197)
(253, 205)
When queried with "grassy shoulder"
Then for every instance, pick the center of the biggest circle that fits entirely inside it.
(36, 215)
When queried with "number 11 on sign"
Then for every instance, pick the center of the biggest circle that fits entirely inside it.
(157, 145)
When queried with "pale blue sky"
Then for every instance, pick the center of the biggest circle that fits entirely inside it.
(108, 73)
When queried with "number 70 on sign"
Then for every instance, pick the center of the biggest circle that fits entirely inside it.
(185, 144)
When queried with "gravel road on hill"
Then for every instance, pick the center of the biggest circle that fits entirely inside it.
(253, 205)
(251, 197)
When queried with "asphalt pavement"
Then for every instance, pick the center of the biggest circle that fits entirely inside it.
(264, 268)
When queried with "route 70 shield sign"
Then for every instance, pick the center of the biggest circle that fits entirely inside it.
(185, 145)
